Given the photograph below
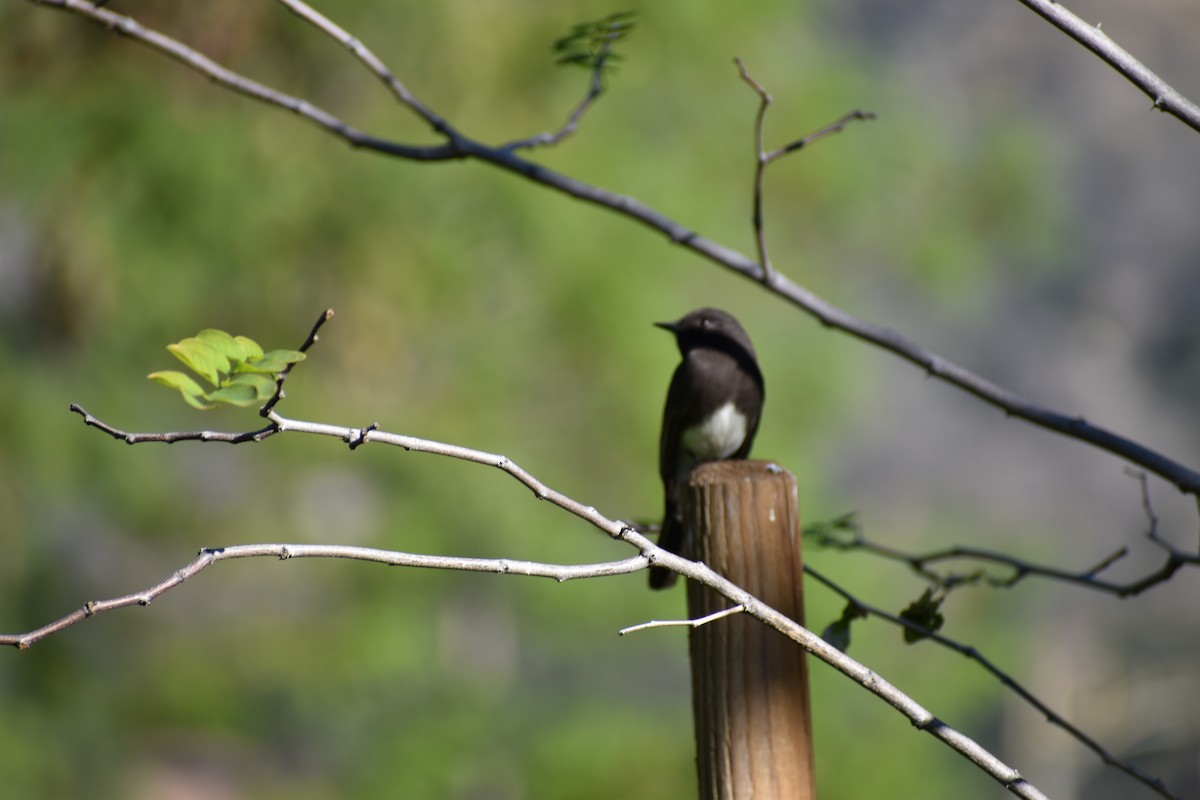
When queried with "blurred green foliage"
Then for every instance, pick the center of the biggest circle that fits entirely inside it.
(139, 202)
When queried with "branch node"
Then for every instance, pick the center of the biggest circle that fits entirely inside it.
(927, 722)
(361, 438)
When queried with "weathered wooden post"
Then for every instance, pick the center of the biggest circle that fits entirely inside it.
(749, 683)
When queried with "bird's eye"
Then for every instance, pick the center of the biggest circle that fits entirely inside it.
(706, 322)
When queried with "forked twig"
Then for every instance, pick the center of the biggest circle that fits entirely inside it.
(763, 158)
(846, 533)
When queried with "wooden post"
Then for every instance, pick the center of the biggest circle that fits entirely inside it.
(749, 683)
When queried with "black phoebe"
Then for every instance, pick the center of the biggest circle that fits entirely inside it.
(712, 411)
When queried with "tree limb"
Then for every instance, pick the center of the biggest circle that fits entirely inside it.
(458, 146)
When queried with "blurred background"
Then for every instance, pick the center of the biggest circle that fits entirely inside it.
(1016, 207)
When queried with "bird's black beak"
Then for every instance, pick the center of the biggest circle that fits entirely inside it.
(666, 326)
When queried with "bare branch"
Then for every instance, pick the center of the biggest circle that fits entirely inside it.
(459, 146)
(1165, 98)
(170, 437)
(683, 623)
(210, 555)
(864, 609)
(921, 718)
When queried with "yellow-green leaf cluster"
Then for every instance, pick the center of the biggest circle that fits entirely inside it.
(236, 367)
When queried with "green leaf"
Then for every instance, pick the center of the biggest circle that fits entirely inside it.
(262, 386)
(223, 343)
(236, 365)
(202, 358)
(249, 347)
(837, 633)
(191, 391)
(198, 403)
(273, 362)
(177, 380)
(924, 611)
(591, 44)
(235, 395)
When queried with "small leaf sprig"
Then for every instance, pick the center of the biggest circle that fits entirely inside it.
(240, 373)
(589, 44)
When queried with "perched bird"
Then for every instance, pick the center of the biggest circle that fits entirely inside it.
(711, 413)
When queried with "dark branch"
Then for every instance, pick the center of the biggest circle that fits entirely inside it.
(458, 146)
(845, 533)
(170, 437)
(309, 341)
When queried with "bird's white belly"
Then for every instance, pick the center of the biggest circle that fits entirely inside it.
(718, 437)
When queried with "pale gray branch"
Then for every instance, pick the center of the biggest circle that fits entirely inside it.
(649, 553)
(210, 555)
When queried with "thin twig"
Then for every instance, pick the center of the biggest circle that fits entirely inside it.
(170, 437)
(683, 623)
(595, 89)
(1185, 478)
(760, 169)
(309, 341)
(837, 126)
(373, 63)
(763, 158)
(1004, 678)
(1165, 98)
(846, 533)
(650, 553)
